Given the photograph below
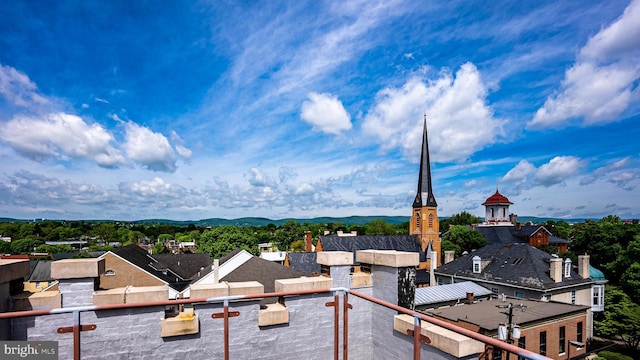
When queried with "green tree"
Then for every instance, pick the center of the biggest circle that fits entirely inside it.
(5, 247)
(630, 282)
(463, 218)
(297, 246)
(621, 318)
(24, 246)
(289, 232)
(379, 227)
(449, 246)
(466, 238)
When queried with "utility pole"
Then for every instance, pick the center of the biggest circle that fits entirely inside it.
(510, 327)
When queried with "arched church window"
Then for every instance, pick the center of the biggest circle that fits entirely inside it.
(417, 220)
(430, 221)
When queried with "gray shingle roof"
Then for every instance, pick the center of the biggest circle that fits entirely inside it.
(511, 264)
(173, 275)
(407, 243)
(41, 271)
(304, 261)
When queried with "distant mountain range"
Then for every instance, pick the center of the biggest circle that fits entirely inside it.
(256, 221)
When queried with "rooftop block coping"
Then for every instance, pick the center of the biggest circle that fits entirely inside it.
(77, 268)
(334, 258)
(303, 283)
(13, 269)
(446, 340)
(130, 295)
(37, 301)
(391, 258)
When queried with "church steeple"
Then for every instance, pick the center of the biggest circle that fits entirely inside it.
(424, 220)
(424, 196)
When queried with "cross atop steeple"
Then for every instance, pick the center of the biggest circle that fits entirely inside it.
(424, 196)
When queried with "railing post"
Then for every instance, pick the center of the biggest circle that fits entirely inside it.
(76, 335)
(345, 326)
(225, 315)
(416, 337)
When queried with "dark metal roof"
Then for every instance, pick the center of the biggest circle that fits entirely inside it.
(424, 196)
(449, 292)
(511, 264)
(408, 243)
(304, 261)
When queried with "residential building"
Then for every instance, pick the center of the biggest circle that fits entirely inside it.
(525, 272)
(553, 329)
(133, 266)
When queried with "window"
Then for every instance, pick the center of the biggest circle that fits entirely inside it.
(497, 354)
(543, 343)
(495, 290)
(567, 268)
(417, 220)
(518, 294)
(522, 343)
(440, 281)
(476, 264)
(37, 284)
(547, 297)
(430, 221)
(109, 272)
(598, 298)
(561, 340)
(579, 332)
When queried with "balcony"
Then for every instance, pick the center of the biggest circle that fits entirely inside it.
(314, 318)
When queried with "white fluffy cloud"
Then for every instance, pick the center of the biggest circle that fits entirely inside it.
(555, 172)
(601, 84)
(149, 149)
(456, 111)
(60, 136)
(18, 88)
(326, 113)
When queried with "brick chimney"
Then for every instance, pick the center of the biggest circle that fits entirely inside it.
(583, 266)
(308, 244)
(555, 269)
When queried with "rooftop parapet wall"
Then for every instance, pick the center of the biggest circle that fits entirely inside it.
(443, 339)
(301, 284)
(77, 268)
(334, 258)
(391, 258)
(13, 269)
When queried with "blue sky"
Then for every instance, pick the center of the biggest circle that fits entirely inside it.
(166, 109)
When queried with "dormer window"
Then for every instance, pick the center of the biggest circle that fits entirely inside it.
(476, 264)
(567, 268)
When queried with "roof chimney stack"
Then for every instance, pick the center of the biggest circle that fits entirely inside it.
(555, 269)
(583, 266)
(308, 243)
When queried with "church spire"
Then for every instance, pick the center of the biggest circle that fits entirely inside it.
(424, 196)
